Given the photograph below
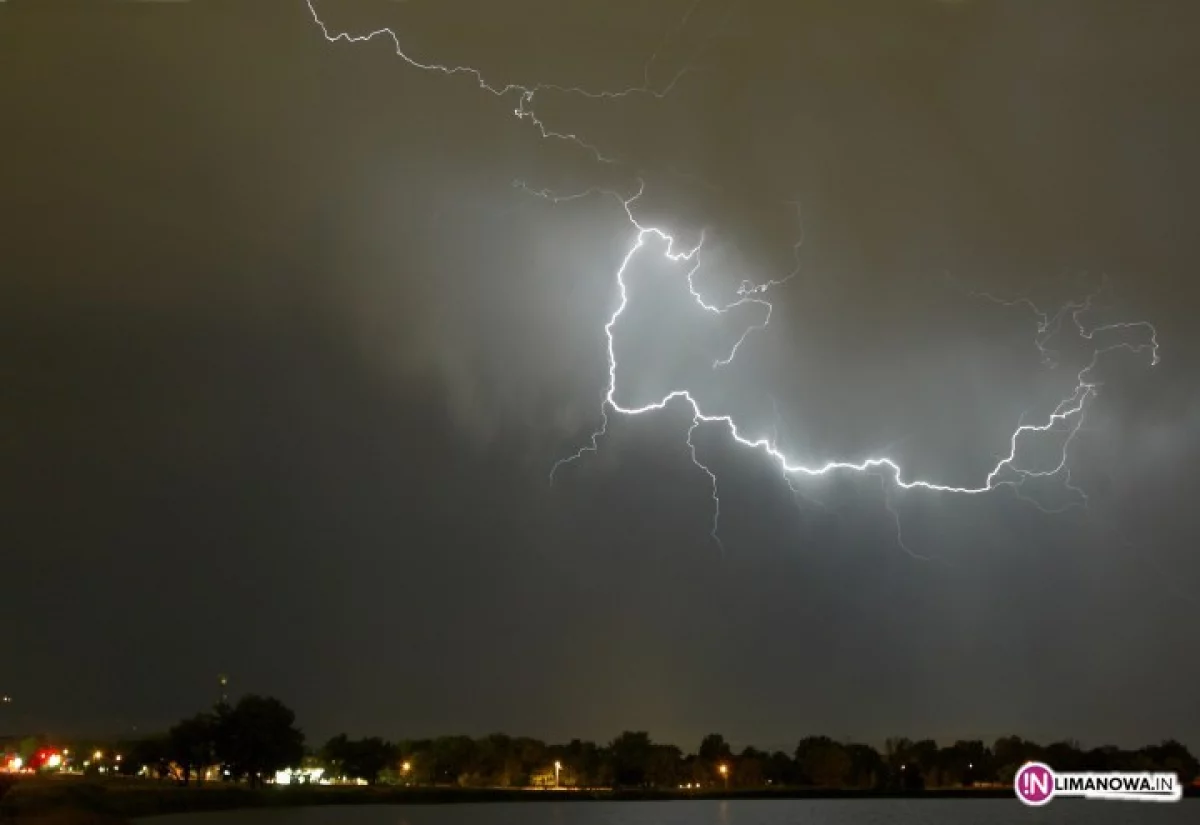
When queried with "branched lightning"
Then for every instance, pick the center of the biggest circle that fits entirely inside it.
(789, 480)
(1066, 417)
(524, 94)
(1068, 414)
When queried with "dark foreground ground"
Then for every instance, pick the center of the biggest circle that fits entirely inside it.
(73, 801)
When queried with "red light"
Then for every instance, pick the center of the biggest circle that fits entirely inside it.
(42, 758)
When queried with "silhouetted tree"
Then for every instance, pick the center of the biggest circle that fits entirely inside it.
(591, 763)
(418, 753)
(714, 748)
(781, 769)
(497, 761)
(750, 768)
(453, 757)
(359, 758)
(1174, 756)
(663, 766)
(529, 756)
(1010, 753)
(153, 752)
(191, 745)
(713, 752)
(822, 762)
(631, 757)
(334, 754)
(866, 766)
(980, 764)
(924, 753)
(1064, 756)
(257, 737)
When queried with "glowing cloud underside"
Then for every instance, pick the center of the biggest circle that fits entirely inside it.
(1067, 417)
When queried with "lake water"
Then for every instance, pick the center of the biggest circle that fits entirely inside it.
(715, 812)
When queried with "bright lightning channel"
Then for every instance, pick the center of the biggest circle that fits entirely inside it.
(1068, 415)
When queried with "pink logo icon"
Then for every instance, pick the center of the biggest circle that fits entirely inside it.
(1034, 783)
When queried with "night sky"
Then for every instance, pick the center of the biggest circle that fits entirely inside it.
(287, 360)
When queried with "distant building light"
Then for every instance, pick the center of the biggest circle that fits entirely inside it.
(297, 776)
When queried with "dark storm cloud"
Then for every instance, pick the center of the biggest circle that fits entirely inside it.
(289, 360)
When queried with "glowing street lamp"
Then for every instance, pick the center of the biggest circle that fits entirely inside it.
(557, 768)
(724, 769)
(98, 755)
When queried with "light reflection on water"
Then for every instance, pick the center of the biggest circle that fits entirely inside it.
(714, 812)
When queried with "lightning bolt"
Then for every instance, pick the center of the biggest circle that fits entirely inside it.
(1068, 414)
(524, 94)
(1066, 417)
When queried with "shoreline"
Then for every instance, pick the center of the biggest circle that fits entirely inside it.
(88, 802)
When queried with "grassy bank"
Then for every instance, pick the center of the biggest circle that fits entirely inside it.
(68, 801)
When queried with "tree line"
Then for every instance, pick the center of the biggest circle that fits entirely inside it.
(257, 737)
(248, 741)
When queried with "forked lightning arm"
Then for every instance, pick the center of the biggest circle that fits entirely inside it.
(523, 93)
(1066, 417)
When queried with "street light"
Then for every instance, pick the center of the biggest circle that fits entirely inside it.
(557, 768)
(724, 769)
